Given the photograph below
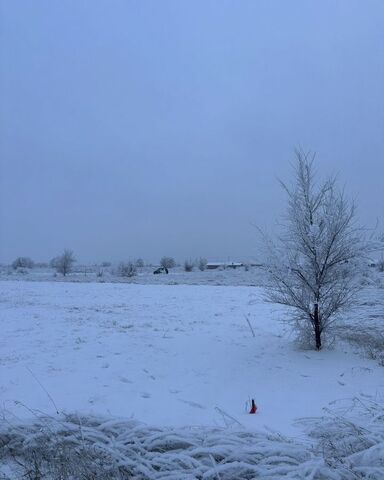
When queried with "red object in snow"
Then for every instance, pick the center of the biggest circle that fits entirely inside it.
(253, 407)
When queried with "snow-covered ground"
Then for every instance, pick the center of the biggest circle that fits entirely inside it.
(167, 355)
(246, 276)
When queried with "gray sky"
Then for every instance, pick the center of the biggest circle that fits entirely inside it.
(149, 128)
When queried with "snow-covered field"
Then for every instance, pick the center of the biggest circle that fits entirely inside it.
(166, 355)
(250, 276)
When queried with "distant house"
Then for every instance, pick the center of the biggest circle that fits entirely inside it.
(214, 265)
(222, 265)
(234, 265)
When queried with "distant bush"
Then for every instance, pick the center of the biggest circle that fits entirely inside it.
(105, 264)
(64, 262)
(202, 264)
(380, 265)
(168, 262)
(139, 263)
(126, 269)
(188, 265)
(22, 262)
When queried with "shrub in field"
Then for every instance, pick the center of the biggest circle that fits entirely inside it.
(22, 262)
(188, 265)
(168, 262)
(202, 264)
(380, 265)
(127, 269)
(64, 262)
(139, 263)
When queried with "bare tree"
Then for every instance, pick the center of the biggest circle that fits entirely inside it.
(22, 262)
(312, 266)
(167, 262)
(380, 264)
(127, 269)
(202, 264)
(139, 263)
(188, 265)
(64, 262)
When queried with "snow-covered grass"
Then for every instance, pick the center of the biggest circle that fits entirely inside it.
(100, 448)
(180, 358)
(250, 276)
(166, 355)
(346, 444)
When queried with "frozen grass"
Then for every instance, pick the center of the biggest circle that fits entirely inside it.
(364, 325)
(177, 276)
(177, 356)
(347, 443)
(350, 437)
(96, 448)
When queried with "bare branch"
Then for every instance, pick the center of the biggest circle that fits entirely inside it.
(311, 267)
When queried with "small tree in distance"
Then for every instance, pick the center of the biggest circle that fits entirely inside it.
(380, 265)
(312, 266)
(127, 269)
(188, 265)
(22, 262)
(64, 262)
(139, 263)
(168, 262)
(202, 264)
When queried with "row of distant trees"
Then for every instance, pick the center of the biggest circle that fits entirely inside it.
(129, 269)
(64, 264)
(189, 265)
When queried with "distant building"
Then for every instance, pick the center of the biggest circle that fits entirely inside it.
(234, 265)
(214, 265)
(222, 265)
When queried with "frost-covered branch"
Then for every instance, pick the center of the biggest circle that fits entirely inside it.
(313, 265)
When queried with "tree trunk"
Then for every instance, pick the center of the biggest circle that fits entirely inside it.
(316, 321)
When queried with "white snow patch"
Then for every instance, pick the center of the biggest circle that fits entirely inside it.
(166, 355)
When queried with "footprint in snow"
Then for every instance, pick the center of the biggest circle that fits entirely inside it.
(149, 375)
(145, 395)
(125, 380)
(93, 400)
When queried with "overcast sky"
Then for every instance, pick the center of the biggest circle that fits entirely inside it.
(148, 128)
